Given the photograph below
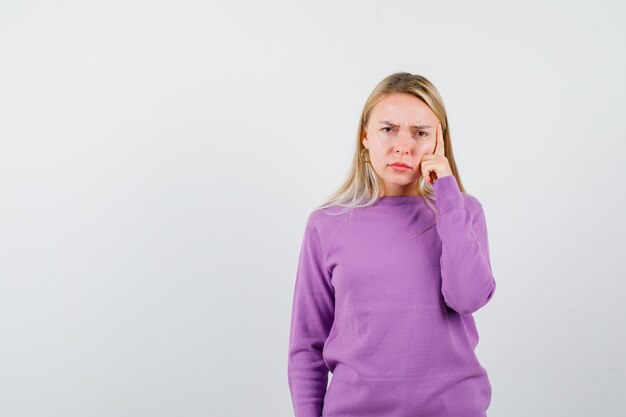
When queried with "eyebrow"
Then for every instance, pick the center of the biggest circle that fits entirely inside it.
(386, 122)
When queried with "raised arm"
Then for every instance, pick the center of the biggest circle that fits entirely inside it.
(467, 279)
(311, 321)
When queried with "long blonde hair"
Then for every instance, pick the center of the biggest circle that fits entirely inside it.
(362, 185)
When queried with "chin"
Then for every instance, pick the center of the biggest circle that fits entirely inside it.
(402, 179)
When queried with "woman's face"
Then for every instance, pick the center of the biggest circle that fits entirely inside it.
(401, 128)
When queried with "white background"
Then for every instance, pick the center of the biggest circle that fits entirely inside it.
(158, 161)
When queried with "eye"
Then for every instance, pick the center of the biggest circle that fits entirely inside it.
(385, 128)
(424, 133)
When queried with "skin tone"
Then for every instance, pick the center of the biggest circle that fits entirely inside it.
(402, 128)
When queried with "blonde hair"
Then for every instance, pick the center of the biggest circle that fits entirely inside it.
(362, 184)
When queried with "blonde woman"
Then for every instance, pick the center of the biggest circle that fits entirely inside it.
(391, 269)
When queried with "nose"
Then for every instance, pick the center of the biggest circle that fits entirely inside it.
(403, 143)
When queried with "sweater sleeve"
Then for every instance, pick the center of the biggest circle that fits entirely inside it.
(467, 279)
(311, 320)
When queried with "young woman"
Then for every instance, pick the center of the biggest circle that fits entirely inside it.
(391, 269)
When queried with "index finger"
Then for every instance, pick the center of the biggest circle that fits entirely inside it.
(439, 147)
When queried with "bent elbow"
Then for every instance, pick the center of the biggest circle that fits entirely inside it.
(469, 305)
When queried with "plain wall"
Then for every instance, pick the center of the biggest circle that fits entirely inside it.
(158, 161)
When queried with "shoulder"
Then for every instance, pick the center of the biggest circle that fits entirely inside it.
(326, 223)
(472, 203)
(471, 200)
(327, 217)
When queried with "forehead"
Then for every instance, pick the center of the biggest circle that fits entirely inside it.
(403, 108)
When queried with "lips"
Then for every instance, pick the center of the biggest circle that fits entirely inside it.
(400, 164)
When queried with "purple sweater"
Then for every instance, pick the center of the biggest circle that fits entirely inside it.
(383, 299)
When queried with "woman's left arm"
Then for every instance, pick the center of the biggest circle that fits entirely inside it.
(467, 279)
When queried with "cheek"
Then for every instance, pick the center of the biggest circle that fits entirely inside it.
(426, 148)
